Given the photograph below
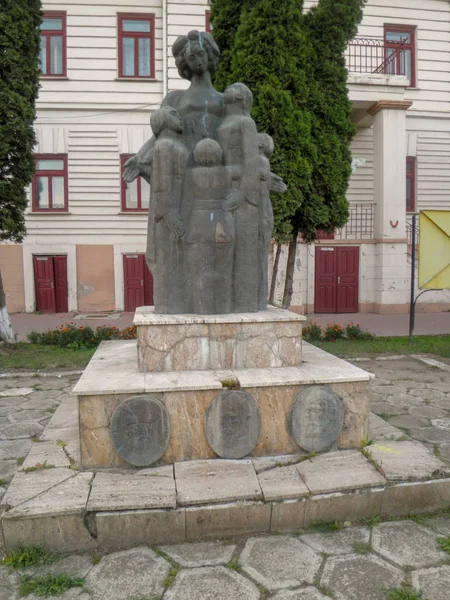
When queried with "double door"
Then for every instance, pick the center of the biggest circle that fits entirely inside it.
(336, 279)
(50, 280)
(138, 282)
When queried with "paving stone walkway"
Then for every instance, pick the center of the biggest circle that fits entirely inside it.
(358, 562)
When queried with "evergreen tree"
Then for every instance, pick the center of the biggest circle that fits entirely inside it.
(19, 85)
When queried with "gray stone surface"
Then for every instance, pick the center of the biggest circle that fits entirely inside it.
(128, 575)
(280, 562)
(140, 430)
(232, 424)
(316, 418)
(15, 431)
(202, 554)
(227, 520)
(28, 485)
(204, 482)
(217, 583)
(407, 544)
(335, 471)
(405, 461)
(433, 582)
(308, 593)
(121, 492)
(409, 421)
(338, 542)
(349, 575)
(433, 435)
(282, 483)
(48, 453)
(440, 524)
(13, 392)
(264, 463)
(379, 429)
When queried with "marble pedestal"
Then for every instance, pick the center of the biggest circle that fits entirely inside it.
(270, 338)
(113, 376)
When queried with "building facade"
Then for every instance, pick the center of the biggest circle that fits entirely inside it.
(105, 68)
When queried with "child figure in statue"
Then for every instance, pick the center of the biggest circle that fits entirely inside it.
(165, 256)
(210, 236)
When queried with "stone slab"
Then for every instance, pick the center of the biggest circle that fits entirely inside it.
(361, 504)
(282, 483)
(434, 582)
(14, 392)
(280, 562)
(227, 520)
(126, 529)
(406, 461)
(66, 498)
(337, 542)
(265, 463)
(25, 486)
(338, 471)
(200, 554)
(212, 582)
(308, 593)
(208, 482)
(112, 492)
(288, 516)
(46, 453)
(416, 497)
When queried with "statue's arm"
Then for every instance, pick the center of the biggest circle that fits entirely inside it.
(277, 185)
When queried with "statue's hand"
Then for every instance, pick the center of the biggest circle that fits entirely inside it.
(175, 225)
(277, 185)
(131, 169)
(265, 229)
(234, 200)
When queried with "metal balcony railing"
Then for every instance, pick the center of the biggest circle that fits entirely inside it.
(360, 225)
(373, 56)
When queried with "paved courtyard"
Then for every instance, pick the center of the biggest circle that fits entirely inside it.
(357, 562)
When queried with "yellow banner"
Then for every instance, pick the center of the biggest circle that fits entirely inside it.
(434, 250)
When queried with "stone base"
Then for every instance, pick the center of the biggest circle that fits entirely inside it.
(270, 338)
(112, 376)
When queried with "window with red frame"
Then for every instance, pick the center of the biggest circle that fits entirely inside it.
(53, 45)
(400, 48)
(135, 195)
(50, 183)
(208, 25)
(410, 184)
(136, 45)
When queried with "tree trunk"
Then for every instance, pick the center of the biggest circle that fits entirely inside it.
(273, 283)
(6, 332)
(290, 266)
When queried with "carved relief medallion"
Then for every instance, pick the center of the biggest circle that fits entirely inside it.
(316, 418)
(232, 424)
(140, 430)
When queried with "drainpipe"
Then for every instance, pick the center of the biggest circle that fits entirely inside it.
(164, 26)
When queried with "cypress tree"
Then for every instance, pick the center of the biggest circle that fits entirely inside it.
(19, 85)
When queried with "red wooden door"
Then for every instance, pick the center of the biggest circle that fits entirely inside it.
(347, 279)
(325, 280)
(336, 279)
(44, 281)
(138, 282)
(61, 283)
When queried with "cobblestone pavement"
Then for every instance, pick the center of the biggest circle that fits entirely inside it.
(357, 562)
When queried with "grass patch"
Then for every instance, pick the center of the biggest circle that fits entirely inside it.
(168, 581)
(422, 344)
(372, 521)
(444, 543)
(362, 548)
(38, 467)
(234, 565)
(29, 556)
(36, 356)
(402, 594)
(326, 526)
(44, 586)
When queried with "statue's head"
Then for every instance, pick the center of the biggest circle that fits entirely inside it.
(166, 117)
(208, 153)
(195, 53)
(266, 145)
(238, 93)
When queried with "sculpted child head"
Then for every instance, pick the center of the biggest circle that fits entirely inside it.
(266, 144)
(238, 93)
(195, 53)
(208, 153)
(166, 117)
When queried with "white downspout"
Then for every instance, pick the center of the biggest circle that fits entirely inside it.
(164, 26)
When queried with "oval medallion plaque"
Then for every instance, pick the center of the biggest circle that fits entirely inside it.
(316, 418)
(140, 430)
(232, 424)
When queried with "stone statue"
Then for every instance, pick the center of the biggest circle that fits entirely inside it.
(210, 216)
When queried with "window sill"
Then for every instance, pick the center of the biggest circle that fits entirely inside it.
(134, 212)
(54, 78)
(141, 79)
(43, 213)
